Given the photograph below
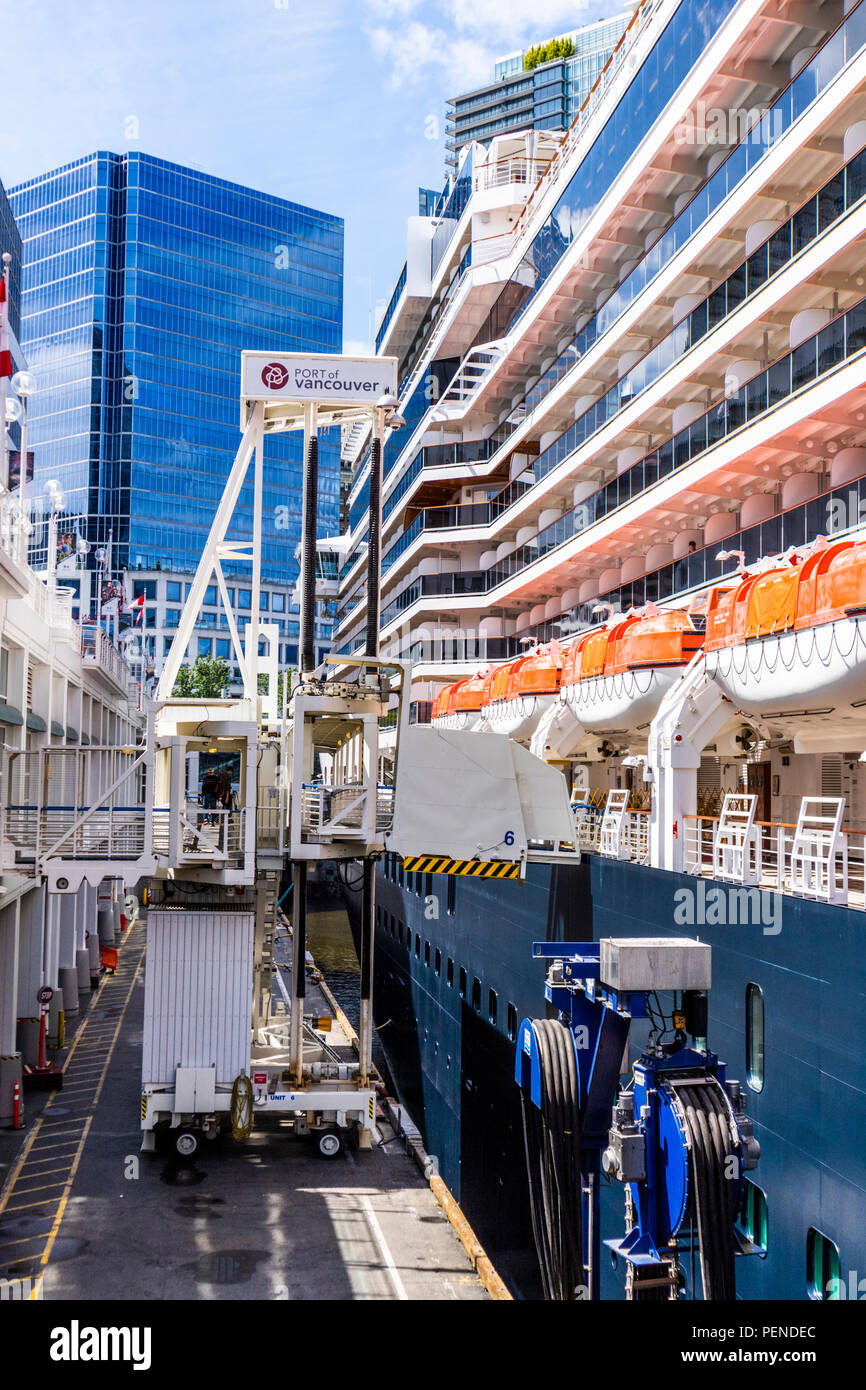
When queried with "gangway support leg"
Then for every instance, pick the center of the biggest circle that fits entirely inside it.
(299, 977)
(368, 912)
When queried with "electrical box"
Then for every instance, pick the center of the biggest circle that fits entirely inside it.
(654, 962)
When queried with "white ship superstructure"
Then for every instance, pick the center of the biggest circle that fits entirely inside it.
(70, 728)
(623, 525)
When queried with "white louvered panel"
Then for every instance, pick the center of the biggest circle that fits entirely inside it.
(197, 993)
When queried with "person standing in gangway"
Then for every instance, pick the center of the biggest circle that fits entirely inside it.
(210, 789)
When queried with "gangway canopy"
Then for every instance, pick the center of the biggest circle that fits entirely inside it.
(472, 795)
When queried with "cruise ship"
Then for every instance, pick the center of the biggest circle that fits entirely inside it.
(624, 526)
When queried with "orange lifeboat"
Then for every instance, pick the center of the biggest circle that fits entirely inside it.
(440, 704)
(614, 678)
(457, 706)
(519, 692)
(467, 695)
(792, 639)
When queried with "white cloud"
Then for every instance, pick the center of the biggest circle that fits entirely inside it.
(392, 9)
(514, 21)
(460, 39)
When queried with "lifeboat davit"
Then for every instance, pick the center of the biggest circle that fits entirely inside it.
(458, 706)
(791, 640)
(517, 695)
(613, 679)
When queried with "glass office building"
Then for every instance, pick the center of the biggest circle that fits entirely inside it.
(547, 97)
(143, 282)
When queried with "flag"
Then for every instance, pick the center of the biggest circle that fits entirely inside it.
(5, 354)
(136, 606)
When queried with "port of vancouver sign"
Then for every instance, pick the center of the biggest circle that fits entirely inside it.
(322, 378)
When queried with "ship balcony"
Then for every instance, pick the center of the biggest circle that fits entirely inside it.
(100, 654)
(700, 472)
(698, 246)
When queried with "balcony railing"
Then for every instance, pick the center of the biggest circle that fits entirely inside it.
(837, 51)
(15, 528)
(98, 650)
(816, 858)
(838, 196)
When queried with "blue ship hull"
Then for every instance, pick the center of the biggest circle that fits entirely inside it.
(454, 1067)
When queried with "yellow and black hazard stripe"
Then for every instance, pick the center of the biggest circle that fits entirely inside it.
(474, 868)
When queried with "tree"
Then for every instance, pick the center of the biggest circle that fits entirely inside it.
(546, 52)
(205, 680)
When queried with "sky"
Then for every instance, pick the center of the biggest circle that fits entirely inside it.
(339, 104)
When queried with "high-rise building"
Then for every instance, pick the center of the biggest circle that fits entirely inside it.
(523, 94)
(143, 282)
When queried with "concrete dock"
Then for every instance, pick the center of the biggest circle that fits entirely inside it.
(85, 1215)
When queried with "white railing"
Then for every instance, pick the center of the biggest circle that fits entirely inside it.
(209, 833)
(337, 812)
(15, 528)
(734, 842)
(109, 832)
(98, 650)
(633, 842)
(48, 791)
(810, 860)
(473, 370)
(518, 168)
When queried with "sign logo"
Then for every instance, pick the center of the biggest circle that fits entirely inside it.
(275, 376)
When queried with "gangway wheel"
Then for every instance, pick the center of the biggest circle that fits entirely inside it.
(329, 1144)
(242, 1107)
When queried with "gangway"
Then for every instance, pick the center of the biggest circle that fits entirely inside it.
(337, 772)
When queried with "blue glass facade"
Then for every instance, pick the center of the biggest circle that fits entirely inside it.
(143, 282)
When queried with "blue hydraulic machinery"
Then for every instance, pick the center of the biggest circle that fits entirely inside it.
(677, 1135)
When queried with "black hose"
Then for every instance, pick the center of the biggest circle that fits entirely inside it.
(714, 1186)
(551, 1138)
(308, 595)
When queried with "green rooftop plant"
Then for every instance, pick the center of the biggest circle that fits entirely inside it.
(546, 52)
